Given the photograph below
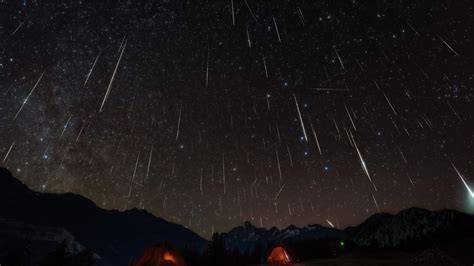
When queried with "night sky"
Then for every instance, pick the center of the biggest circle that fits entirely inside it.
(210, 113)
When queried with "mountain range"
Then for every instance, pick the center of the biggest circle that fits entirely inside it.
(118, 238)
(114, 236)
(413, 227)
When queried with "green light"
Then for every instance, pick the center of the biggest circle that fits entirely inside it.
(341, 244)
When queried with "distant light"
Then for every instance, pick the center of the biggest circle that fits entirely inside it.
(342, 244)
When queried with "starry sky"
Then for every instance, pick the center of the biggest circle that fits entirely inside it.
(210, 113)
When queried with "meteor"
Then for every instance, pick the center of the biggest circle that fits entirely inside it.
(276, 28)
(248, 37)
(301, 119)
(447, 45)
(179, 122)
(29, 94)
(8, 152)
(92, 69)
(316, 138)
(471, 193)
(265, 66)
(279, 167)
(362, 162)
(132, 181)
(329, 222)
(19, 27)
(109, 87)
(278, 194)
(339, 58)
(232, 8)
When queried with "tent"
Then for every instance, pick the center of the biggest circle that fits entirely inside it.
(161, 255)
(279, 256)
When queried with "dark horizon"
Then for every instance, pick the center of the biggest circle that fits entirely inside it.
(246, 221)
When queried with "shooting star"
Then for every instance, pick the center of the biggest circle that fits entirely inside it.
(279, 192)
(389, 103)
(339, 58)
(179, 122)
(92, 69)
(362, 162)
(447, 45)
(265, 66)
(330, 224)
(134, 173)
(413, 28)
(223, 172)
(113, 77)
(248, 36)
(8, 153)
(279, 167)
(471, 193)
(251, 12)
(276, 28)
(149, 162)
(18, 28)
(29, 94)
(375, 202)
(350, 117)
(300, 14)
(232, 8)
(454, 111)
(65, 127)
(301, 119)
(316, 138)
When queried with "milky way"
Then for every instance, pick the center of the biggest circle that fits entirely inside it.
(212, 113)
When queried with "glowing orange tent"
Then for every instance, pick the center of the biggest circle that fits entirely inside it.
(279, 256)
(161, 255)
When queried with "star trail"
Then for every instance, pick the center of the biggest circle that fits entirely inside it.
(211, 113)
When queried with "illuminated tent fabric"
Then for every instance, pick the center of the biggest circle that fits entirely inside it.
(161, 255)
(279, 256)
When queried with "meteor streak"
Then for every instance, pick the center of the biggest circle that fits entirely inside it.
(301, 119)
(316, 138)
(449, 46)
(362, 162)
(27, 97)
(92, 68)
(279, 192)
(113, 77)
(233, 15)
(8, 152)
(329, 222)
(179, 123)
(339, 58)
(276, 28)
(471, 193)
